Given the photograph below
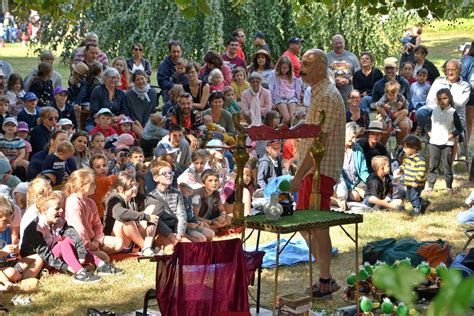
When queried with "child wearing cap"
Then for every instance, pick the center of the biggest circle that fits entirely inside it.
(67, 125)
(54, 164)
(121, 160)
(4, 105)
(104, 125)
(61, 104)
(30, 112)
(125, 126)
(269, 166)
(13, 147)
(22, 131)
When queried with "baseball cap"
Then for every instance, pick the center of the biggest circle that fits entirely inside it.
(10, 119)
(164, 148)
(295, 40)
(105, 111)
(60, 89)
(390, 62)
(215, 143)
(23, 127)
(121, 147)
(259, 35)
(5, 167)
(126, 120)
(65, 121)
(124, 139)
(30, 96)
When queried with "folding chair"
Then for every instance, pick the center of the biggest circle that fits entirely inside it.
(209, 278)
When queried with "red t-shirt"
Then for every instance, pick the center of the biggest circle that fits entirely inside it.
(295, 61)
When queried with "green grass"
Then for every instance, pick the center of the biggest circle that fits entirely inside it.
(58, 295)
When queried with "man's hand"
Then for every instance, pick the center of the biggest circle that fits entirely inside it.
(194, 143)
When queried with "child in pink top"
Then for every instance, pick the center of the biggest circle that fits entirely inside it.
(82, 214)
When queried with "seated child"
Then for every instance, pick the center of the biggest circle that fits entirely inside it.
(104, 125)
(230, 100)
(378, 193)
(125, 126)
(60, 245)
(175, 94)
(82, 214)
(24, 269)
(192, 175)
(13, 147)
(154, 131)
(4, 105)
(122, 218)
(30, 112)
(413, 170)
(392, 106)
(22, 131)
(269, 166)
(97, 142)
(239, 81)
(196, 231)
(218, 161)
(180, 76)
(167, 203)
(67, 125)
(19, 195)
(11, 235)
(103, 182)
(216, 80)
(207, 204)
(56, 163)
(208, 127)
(121, 160)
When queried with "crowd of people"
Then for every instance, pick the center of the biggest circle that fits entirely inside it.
(94, 164)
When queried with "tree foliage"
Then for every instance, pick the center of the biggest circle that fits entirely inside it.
(120, 23)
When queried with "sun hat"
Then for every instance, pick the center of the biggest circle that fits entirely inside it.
(125, 139)
(23, 127)
(376, 126)
(164, 148)
(263, 52)
(188, 180)
(81, 68)
(390, 62)
(125, 120)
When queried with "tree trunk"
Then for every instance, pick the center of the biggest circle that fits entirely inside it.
(5, 6)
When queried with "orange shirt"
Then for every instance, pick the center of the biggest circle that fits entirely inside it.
(102, 186)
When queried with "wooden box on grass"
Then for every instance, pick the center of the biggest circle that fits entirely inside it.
(294, 305)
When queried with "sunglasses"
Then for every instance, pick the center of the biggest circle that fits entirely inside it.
(138, 49)
(169, 173)
(51, 118)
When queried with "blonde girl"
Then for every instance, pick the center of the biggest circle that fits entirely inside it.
(285, 88)
(82, 214)
(59, 244)
(120, 64)
(216, 80)
(239, 81)
(122, 218)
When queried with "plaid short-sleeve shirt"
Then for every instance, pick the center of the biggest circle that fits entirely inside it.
(326, 97)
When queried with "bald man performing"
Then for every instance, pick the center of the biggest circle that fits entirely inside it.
(326, 97)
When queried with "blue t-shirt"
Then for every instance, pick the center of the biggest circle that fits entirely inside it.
(56, 165)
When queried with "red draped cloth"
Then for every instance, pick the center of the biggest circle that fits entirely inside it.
(208, 278)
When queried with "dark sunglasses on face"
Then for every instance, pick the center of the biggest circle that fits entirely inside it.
(51, 118)
(138, 49)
